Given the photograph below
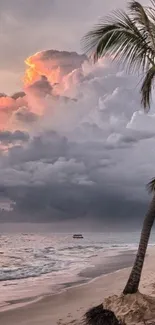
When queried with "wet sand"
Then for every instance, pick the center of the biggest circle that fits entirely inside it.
(69, 306)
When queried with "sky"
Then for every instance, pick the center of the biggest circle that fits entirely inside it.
(34, 25)
(75, 144)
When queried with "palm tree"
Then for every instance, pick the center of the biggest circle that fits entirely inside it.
(130, 39)
(135, 275)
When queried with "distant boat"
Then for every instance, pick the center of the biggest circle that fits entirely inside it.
(77, 236)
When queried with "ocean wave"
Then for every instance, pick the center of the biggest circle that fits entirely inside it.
(29, 271)
(35, 255)
(81, 247)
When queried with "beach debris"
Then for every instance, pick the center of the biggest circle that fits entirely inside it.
(100, 316)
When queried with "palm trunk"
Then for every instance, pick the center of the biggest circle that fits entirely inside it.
(134, 278)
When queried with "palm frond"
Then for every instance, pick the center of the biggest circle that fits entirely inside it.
(151, 186)
(119, 37)
(147, 87)
(138, 14)
(145, 19)
(151, 33)
(129, 39)
(152, 8)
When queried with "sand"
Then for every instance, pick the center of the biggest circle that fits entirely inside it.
(69, 306)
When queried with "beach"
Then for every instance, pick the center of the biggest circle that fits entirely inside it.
(69, 306)
(35, 265)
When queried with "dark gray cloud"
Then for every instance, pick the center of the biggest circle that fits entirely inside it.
(47, 146)
(25, 116)
(61, 180)
(43, 204)
(19, 94)
(7, 137)
(41, 87)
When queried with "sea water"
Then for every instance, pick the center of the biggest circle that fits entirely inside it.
(35, 264)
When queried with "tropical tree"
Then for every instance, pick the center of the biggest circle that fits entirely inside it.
(130, 38)
(135, 275)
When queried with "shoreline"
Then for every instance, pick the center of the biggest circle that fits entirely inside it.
(109, 264)
(69, 306)
(76, 300)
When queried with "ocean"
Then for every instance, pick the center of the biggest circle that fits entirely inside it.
(36, 264)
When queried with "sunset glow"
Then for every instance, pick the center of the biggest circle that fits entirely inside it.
(31, 73)
(37, 68)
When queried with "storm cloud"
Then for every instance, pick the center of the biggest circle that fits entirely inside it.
(84, 158)
(75, 143)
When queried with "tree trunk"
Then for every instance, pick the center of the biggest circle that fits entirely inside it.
(135, 275)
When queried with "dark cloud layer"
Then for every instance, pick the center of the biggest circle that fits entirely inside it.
(65, 203)
(54, 179)
(7, 137)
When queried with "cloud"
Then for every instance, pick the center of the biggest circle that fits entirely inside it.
(19, 94)
(41, 87)
(8, 106)
(25, 116)
(52, 64)
(7, 137)
(30, 24)
(26, 106)
(80, 158)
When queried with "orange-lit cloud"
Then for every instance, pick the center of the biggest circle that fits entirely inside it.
(47, 73)
(31, 75)
(37, 68)
(7, 106)
(52, 64)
